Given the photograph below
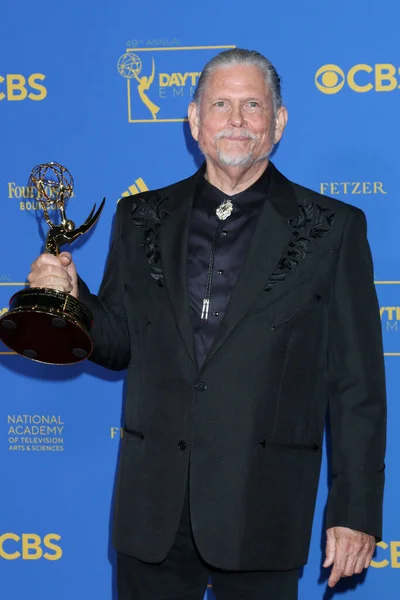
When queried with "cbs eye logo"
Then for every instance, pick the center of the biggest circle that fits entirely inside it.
(330, 79)
(361, 78)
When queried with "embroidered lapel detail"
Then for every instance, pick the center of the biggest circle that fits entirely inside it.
(311, 223)
(165, 243)
(148, 215)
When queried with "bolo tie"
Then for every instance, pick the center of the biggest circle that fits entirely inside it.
(223, 211)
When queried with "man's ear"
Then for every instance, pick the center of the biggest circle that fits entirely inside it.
(280, 123)
(194, 119)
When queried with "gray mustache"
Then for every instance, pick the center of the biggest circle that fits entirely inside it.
(242, 135)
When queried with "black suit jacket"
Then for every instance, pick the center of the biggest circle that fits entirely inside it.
(301, 334)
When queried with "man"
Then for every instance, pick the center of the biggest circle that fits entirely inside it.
(243, 307)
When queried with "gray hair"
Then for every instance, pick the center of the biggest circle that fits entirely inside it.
(239, 56)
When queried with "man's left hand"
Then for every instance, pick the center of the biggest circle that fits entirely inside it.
(349, 551)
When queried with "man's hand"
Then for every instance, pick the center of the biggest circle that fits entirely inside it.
(54, 272)
(349, 552)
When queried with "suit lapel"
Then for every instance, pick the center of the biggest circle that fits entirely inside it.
(174, 248)
(270, 241)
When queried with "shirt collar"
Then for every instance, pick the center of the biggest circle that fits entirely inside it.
(251, 199)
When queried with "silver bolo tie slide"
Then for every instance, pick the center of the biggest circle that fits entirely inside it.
(223, 211)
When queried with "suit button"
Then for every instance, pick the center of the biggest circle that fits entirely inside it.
(201, 386)
(182, 445)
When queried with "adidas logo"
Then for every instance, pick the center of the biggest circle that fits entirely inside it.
(136, 188)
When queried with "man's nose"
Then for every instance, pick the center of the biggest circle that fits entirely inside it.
(236, 118)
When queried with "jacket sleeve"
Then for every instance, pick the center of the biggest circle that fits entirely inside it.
(109, 333)
(357, 396)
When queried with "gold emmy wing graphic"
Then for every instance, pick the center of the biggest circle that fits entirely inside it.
(130, 66)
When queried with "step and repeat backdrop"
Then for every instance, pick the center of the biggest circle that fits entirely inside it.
(103, 89)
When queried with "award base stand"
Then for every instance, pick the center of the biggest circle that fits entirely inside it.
(47, 326)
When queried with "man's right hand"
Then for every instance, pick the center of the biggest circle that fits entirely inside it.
(54, 272)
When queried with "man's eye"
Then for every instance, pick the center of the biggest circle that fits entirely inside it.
(253, 104)
(220, 103)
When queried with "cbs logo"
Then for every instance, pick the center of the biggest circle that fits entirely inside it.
(16, 87)
(391, 556)
(30, 546)
(330, 79)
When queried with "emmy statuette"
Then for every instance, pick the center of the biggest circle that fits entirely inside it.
(42, 324)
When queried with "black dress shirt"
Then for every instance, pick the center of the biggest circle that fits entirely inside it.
(231, 247)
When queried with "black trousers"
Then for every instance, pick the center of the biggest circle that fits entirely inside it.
(184, 575)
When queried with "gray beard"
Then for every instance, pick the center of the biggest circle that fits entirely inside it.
(238, 161)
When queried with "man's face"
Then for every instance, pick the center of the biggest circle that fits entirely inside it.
(235, 124)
